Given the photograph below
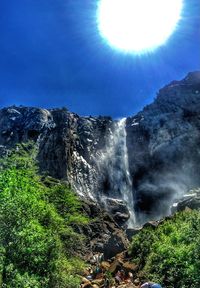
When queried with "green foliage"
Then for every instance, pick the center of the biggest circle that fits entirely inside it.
(170, 253)
(67, 204)
(37, 240)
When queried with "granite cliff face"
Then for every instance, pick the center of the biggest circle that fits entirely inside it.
(162, 145)
(68, 144)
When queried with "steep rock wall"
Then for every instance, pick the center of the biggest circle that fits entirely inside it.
(164, 147)
(68, 144)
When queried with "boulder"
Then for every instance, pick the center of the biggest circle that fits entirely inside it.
(116, 243)
(98, 282)
(191, 201)
(105, 265)
(130, 232)
(118, 210)
(85, 283)
(115, 266)
(129, 267)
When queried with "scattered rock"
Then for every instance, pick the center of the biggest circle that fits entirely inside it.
(129, 267)
(98, 282)
(105, 265)
(130, 232)
(136, 281)
(115, 266)
(119, 266)
(85, 283)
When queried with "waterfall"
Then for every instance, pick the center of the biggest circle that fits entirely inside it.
(115, 167)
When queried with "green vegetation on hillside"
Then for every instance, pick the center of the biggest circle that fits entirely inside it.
(170, 253)
(37, 241)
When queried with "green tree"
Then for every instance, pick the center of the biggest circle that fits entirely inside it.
(37, 239)
(170, 254)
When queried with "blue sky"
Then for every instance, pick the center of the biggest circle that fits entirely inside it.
(51, 55)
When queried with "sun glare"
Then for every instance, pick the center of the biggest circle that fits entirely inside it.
(138, 26)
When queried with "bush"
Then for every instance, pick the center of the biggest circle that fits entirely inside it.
(170, 254)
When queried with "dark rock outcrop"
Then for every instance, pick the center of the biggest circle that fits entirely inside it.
(192, 203)
(102, 233)
(118, 210)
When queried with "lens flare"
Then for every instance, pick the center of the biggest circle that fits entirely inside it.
(138, 26)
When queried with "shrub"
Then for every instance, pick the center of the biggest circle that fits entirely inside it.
(170, 254)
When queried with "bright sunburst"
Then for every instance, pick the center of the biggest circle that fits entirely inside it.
(138, 26)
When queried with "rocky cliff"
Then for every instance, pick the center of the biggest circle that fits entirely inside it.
(161, 143)
(68, 144)
(164, 147)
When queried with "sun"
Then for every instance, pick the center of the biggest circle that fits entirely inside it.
(138, 26)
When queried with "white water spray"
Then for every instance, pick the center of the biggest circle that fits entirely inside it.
(115, 161)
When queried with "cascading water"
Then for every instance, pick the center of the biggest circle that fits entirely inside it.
(117, 180)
